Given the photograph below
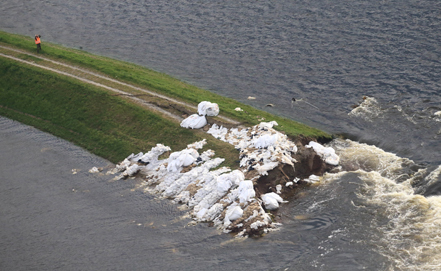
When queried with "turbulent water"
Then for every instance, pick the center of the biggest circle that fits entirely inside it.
(369, 70)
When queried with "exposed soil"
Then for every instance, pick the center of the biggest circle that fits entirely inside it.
(308, 163)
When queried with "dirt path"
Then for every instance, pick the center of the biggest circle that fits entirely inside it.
(153, 101)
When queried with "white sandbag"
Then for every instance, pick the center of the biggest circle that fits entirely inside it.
(265, 140)
(123, 165)
(327, 153)
(208, 109)
(271, 200)
(278, 188)
(246, 191)
(153, 154)
(263, 169)
(229, 180)
(130, 171)
(267, 125)
(180, 159)
(218, 132)
(194, 122)
(197, 145)
(233, 213)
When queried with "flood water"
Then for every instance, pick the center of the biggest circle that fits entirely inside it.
(55, 215)
(381, 213)
(327, 53)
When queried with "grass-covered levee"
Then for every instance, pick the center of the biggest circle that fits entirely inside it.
(103, 123)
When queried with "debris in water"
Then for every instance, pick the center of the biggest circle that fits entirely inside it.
(293, 100)
(368, 109)
(95, 170)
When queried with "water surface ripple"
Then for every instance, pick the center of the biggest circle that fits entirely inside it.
(328, 53)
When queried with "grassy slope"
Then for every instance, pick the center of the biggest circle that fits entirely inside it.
(159, 82)
(101, 123)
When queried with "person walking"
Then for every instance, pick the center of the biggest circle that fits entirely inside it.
(38, 42)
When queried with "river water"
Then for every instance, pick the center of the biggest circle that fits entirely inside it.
(381, 213)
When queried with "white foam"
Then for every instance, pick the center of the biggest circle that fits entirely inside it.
(370, 158)
(368, 109)
(433, 176)
(413, 235)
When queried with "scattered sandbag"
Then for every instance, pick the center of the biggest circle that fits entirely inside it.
(194, 122)
(94, 170)
(197, 121)
(327, 153)
(312, 179)
(208, 109)
(271, 200)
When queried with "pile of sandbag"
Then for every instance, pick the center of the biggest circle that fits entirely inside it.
(197, 121)
(212, 193)
(216, 194)
(261, 147)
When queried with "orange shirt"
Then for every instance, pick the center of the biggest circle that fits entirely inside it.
(37, 40)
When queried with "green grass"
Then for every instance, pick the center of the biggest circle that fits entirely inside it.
(159, 82)
(103, 124)
(106, 125)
